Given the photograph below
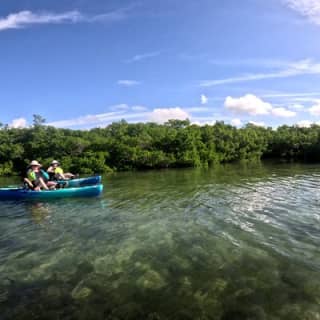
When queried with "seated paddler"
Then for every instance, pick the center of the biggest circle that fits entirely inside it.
(56, 172)
(34, 179)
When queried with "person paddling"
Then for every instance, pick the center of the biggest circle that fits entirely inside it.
(46, 179)
(34, 178)
(56, 172)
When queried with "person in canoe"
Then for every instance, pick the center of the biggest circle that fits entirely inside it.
(56, 172)
(37, 178)
(46, 178)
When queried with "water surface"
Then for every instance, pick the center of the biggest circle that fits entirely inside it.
(232, 242)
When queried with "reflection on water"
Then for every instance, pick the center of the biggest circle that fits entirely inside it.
(40, 212)
(233, 242)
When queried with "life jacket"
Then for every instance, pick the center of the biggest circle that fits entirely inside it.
(58, 170)
(44, 175)
(32, 176)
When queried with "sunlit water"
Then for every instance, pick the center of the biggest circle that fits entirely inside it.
(234, 242)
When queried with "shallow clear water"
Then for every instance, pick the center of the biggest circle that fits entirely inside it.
(233, 242)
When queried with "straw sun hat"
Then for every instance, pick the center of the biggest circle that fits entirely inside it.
(34, 163)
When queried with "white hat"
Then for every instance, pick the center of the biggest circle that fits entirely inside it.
(55, 162)
(34, 163)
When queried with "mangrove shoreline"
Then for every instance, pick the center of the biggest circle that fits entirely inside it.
(123, 146)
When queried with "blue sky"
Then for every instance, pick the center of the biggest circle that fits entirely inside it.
(83, 64)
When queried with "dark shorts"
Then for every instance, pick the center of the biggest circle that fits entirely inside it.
(35, 183)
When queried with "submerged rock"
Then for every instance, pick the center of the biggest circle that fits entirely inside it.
(180, 263)
(103, 265)
(185, 281)
(244, 292)
(81, 291)
(219, 286)
(200, 296)
(151, 280)
(142, 266)
(311, 315)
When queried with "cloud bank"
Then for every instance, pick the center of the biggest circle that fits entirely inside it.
(307, 8)
(128, 83)
(257, 124)
(294, 69)
(249, 104)
(162, 115)
(25, 18)
(283, 113)
(18, 123)
(236, 122)
(204, 99)
(315, 110)
(123, 111)
(90, 120)
(254, 106)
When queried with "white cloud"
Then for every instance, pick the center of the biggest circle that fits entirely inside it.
(315, 110)
(236, 122)
(18, 123)
(96, 119)
(292, 99)
(143, 56)
(125, 107)
(139, 108)
(112, 16)
(249, 104)
(208, 122)
(128, 83)
(162, 115)
(291, 95)
(257, 124)
(304, 124)
(204, 99)
(25, 18)
(159, 115)
(203, 122)
(306, 100)
(294, 69)
(307, 8)
(282, 112)
(297, 106)
(266, 63)
(253, 105)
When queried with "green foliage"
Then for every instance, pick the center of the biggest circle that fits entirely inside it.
(38, 120)
(124, 146)
(90, 163)
(6, 168)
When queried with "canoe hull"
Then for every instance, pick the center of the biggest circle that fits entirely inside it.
(81, 182)
(22, 194)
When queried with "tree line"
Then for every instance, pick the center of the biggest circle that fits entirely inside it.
(126, 146)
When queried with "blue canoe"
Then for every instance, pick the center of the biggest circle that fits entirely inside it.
(81, 182)
(23, 194)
